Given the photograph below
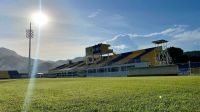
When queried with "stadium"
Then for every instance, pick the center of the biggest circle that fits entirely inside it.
(101, 61)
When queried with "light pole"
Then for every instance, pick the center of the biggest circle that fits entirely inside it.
(29, 35)
(40, 19)
(190, 69)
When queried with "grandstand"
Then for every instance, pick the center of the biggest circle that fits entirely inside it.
(100, 61)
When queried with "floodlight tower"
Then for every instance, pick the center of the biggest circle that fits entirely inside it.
(162, 55)
(29, 35)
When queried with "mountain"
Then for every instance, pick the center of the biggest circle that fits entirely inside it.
(10, 60)
(6, 52)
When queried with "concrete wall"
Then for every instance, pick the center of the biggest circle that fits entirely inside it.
(154, 71)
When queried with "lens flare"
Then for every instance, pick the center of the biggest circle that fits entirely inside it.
(31, 85)
(39, 19)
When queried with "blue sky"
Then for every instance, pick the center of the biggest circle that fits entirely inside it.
(125, 24)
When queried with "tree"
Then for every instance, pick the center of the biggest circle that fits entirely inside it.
(194, 56)
(177, 55)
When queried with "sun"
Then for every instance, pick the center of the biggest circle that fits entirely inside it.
(39, 18)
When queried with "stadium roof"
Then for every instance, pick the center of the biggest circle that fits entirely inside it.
(160, 41)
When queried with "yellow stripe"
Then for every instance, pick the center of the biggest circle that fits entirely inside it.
(150, 57)
(132, 55)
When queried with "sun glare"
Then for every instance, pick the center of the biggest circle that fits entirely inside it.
(39, 18)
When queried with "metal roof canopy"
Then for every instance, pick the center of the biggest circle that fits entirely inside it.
(160, 41)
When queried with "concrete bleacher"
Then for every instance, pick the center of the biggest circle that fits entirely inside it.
(118, 58)
(105, 62)
(138, 58)
(132, 55)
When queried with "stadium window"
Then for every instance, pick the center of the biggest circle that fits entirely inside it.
(100, 70)
(74, 73)
(129, 67)
(114, 69)
(83, 71)
(109, 69)
(105, 69)
(92, 71)
(123, 68)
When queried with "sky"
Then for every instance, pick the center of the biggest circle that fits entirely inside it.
(75, 24)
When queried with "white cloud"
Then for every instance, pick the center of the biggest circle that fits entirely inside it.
(178, 36)
(188, 40)
(122, 43)
(94, 14)
(122, 46)
(188, 35)
(167, 32)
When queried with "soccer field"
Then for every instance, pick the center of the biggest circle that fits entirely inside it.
(140, 94)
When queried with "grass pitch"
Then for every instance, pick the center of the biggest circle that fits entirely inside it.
(150, 94)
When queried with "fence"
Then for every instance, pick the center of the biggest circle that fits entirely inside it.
(190, 68)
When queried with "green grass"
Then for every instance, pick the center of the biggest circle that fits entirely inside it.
(142, 94)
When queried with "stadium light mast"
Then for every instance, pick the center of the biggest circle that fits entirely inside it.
(29, 35)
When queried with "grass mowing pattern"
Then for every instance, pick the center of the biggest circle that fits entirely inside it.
(142, 94)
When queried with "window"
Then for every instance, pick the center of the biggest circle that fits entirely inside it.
(123, 68)
(114, 69)
(109, 69)
(83, 71)
(105, 70)
(74, 73)
(92, 71)
(100, 70)
(129, 67)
